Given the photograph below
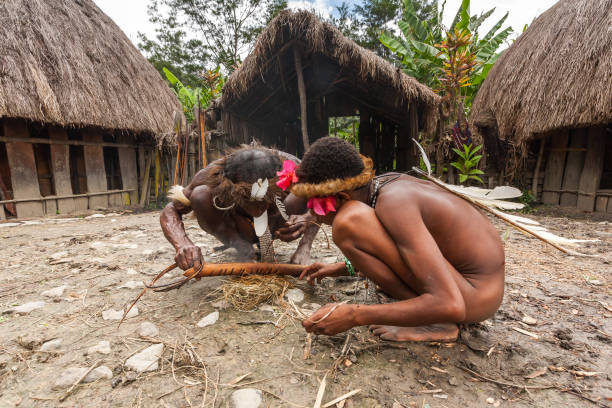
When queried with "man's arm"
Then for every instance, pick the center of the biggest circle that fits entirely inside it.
(171, 220)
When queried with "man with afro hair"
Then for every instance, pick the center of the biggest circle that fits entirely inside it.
(435, 254)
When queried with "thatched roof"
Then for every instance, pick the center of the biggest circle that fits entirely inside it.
(65, 62)
(314, 36)
(558, 74)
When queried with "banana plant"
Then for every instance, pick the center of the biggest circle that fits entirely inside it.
(416, 47)
(467, 162)
(189, 97)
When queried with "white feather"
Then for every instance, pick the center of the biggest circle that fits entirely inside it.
(176, 193)
(259, 189)
(261, 224)
(424, 156)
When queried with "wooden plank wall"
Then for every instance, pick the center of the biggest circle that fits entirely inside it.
(555, 164)
(129, 172)
(23, 169)
(94, 168)
(593, 167)
(573, 167)
(60, 167)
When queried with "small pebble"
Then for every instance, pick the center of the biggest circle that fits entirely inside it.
(246, 398)
(55, 292)
(103, 347)
(27, 307)
(146, 360)
(490, 400)
(296, 295)
(147, 329)
(132, 285)
(51, 345)
(529, 320)
(209, 319)
(69, 376)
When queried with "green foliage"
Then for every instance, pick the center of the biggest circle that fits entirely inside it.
(418, 51)
(192, 35)
(189, 97)
(467, 162)
(346, 128)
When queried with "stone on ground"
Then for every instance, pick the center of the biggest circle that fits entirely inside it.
(27, 307)
(132, 285)
(246, 398)
(209, 319)
(146, 360)
(103, 347)
(51, 345)
(72, 374)
(295, 295)
(147, 329)
(112, 314)
(55, 292)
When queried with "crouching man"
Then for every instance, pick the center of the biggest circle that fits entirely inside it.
(439, 257)
(236, 199)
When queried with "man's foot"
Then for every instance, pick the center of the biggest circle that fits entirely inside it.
(434, 332)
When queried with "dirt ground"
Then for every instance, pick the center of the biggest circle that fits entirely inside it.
(567, 352)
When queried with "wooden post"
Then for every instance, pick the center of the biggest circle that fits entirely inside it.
(95, 169)
(573, 167)
(60, 166)
(302, 90)
(536, 172)
(593, 168)
(145, 179)
(601, 203)
(23, 169)
(129, 172)
(203, 138)
(554, 168)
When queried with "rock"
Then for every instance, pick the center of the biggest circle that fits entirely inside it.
(453, 381)
(295, 295)
(246, 398)
(490, 400)
(267, 308)
(55, 292)
(209, 319)
(221, 304)
(147, 329)
(52, 345)
(147, 252)
(97, 245)
(131, 271)
(72, 374)
(59, 255)
(94, 216)
(132, 285)
(103, 347)
(146, 360)
(529, 320)
(112, 314)
(26, 307)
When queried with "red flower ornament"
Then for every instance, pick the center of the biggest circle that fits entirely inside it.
(287, 176)
(322, 205)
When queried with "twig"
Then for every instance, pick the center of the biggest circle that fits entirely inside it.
(507, 384)
(527, 333)
(81, 378)
(320, 392)
(341, 398)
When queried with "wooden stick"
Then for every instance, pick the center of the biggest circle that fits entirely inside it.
(49, 198)
(320, 392)
(81, 378)
(145, 180)
(297, 58)
(536, 174)
(341, 398)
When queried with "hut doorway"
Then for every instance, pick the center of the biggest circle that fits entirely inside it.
(113, 170)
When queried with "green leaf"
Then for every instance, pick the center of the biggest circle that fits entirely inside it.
(464, 22)
(171, 78)
(476, 171)
(494, 29)
(393, 44)
(476, 178)
(462, 178)
(477, 148)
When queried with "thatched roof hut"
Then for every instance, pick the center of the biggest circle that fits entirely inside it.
(555, 84)
(264, 98)
(70, 78)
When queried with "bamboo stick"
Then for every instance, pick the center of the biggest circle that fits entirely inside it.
(302, 91)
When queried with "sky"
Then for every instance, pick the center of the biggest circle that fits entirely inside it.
(131, 15)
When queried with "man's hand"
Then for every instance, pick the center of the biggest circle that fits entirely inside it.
(318, 271)
(188, 256)
(293, 228)
(341, 319)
